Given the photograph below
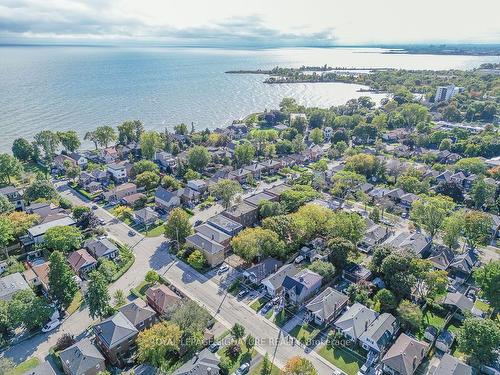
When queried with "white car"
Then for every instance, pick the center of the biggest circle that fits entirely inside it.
(51, 325)
(222, 269)
(299, 259)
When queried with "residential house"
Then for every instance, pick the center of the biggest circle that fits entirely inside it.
(314, 152)
(462, 265)
(374, 236)
(380, 333)
(11, 284)
(14, 196)
(447, 157)
(261, 270)
(225, 224)
(119, 192)
(395, 195)
(328, 133)
(237, 130)
(61, 160)
(165, 199)
(355, 321)
(257, 199)
(243, 213)
(162, 299)
(356, 273)
(441, 258)
(458, 178)
(115, 337)
(145, 216)
(326, 306)
(274, 282)
(299, 287)
(417, 243)
(95, 175)
(450, 365)
(43, 368)
(82, 358)
(118, 172)
(37, 232)
(37, 275)
(109, 155)
(404, 356)
(271, 166)
(82, 262)
(139, 314)
(79, 159)
(430, 333)
(278, 190)
(458, 303)
(407, 200)
(101, 247)
(444, 341)
(444, 177)
(166, 160)
(188, 196)
(202, 363)
(44, 209)
(214, 252)
(255, 169)
(240, 175)
(198, 185)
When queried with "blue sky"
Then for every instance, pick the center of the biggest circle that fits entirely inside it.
(256, 23)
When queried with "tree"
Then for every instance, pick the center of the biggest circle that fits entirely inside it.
(347, 225)
(9, 167)
(88, 220)
(104, 135)
(476, 228)
(365, 164)
(91, 136)
(197, 260)
(410, 315)
(198, 158)
(412, 184)
(190, 317)
(69, 140)
(413, 113)
(191, 175)
(339, 250)
(5, 205)
(65, 341)
(431, 284)
(316, 136)
(62, 285)
(471, 166)
(345, 183)
(299, 366)
(365, 133)
(107, 268)
(170, 183)
(430, 212)
(399, 271)
(250, 342)
(452, 190)
(386, 301)
(6, 233)
(178, 226)
(487, 278)
(480, 339)
(181, 129)
(152, 277)
(149, 180)
(266, 366)
(253, 242)
(483, 193)
(97, 296)
(145, 166)
(244, 154)
(445, 144)
(325, 269)
(63, 238)
(123, 212)
(233, 350)
(40, 189)
(119, 298)
(150, 142)
(155, 343)
(268, 208)
(297, 196)
(48, 141)
(26, 309)
(238, 331)
(452, 230)
(379, 254)
(226, 190)
(22, 149)
(130, 131)
(6, 365)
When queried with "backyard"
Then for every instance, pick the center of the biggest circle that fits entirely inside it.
(345, 359)
(259, 303)
(245, 356)
(305, 332)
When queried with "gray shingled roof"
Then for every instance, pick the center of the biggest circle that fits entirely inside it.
(43, 368)
(38, 230)
(100, 247)
(450, 365)
(137, 312)
(115, 330)
(327, 303)
(381, 329)
(81, 357)
(11, 284)
(200, 241)
(203, 364)
(356, 320)
(405, 355)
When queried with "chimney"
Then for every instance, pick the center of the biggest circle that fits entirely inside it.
(209, 371)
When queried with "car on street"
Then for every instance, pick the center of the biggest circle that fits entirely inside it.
(222, 269)
(243, 369)
(214, 347)
(102, 221)
(197, 222)
(266, 308)
(95, 206)
(51, 325)
(243, 293)
(131, 233)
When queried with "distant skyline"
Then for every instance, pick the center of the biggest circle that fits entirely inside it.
(256, 23)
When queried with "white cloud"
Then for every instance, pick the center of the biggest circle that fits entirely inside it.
(260, 22)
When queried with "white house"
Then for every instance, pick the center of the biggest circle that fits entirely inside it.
(117, 171)
(380, 333)
(355, 321)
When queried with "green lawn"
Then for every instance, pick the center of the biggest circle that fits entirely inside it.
(269, 314)
(282, 317)
(244, 357)
(342, 358)
(235, 288)
(433, 319)
(483, 306)
(140, 290)
(257, 369)
(75, 304)
(24, 367)
(258, 303)
(155, 232)
(304, 332)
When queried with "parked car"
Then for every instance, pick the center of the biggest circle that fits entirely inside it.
(131, 233)
(102, 221)
(214, 347)
(197, 222)
(243, 369)
(266, 308)
(243, 293)
(95, 206)
(222, 269)
(51, 325)
(299, 259)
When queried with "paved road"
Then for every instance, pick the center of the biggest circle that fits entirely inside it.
(150, 254)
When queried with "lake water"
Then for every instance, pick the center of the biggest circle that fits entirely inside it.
(59, 87)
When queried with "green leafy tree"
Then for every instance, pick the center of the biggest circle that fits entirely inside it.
(107, 268)
(190, 317)
(48, 141)
(119, 298)
(430, 212)
(22, 149)
(28, 310)
(9, 167)
(156, 343)
(63, 238)
(40, 189)
(149, 180)
(410, 315)
(196, 259)
(145, 166)
(316, 136)
(399, 271)
(452, 230)
(5, 205)
(178, 226)
(250, 342)
(244, 154)
(347, 225)
(299, 366)
(97, 296)
(365, 164)
(92, 137)
(268, 208)
(471, 165)
(487, 278)
(386, 301)
(150, 142)
(198, 158)
(345, 184)
(152, 277)
(476, 228)
(69, 140)
(253, 242)
(413, 113)
(480, 339)
(170, 182)
(104, 135)
(483, 193)
(6, 234)
(130, 131)
(123, 212)
(226, 191)
(62, 285)
(266, 366)
(325, 269)
(339, 250)
(238, 331)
